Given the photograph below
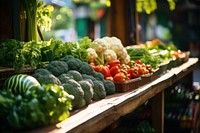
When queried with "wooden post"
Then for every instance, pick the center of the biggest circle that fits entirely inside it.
(136, 23)
(158, 112)
(118, 20)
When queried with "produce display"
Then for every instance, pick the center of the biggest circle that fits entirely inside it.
(70, 75)
(26, 104)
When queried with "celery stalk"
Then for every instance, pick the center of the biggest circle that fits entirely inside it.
(31, 9)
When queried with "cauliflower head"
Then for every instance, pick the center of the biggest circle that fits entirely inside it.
(100, 45)
(110, 55)
(92, 54)
(115, 44)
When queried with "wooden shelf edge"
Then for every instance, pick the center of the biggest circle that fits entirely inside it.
(100, 114)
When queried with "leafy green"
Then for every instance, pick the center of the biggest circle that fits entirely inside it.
(144, 55)
(78, 48)
(11, 54)
(40, 106)
(32, 53)
(56, 49)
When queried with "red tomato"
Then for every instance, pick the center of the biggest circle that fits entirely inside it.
(105, 71)
(140, 69)
(149, 68)
(109, 78)
(119, 77)
(114, 70)
(128, 76)
(145, 71)
(92, 65)
(98, 68)
(114, 63)
(138, 61)
(133, 72)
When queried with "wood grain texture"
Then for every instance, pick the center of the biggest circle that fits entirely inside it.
(100, 114)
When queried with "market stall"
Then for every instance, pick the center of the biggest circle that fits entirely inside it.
(87, 85)
(98, 115)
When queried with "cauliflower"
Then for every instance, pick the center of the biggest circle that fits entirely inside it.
(114, 44)
(124, 58)
(110, 55)
(92, 54)
(100, 45)
(107, 49)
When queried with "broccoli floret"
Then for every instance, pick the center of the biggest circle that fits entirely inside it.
(40, 72)
(64, 78)
(99, 90)
(74, 64)
(109, 87)
(67, 57)
(90, 81)
(45, 77)
(88, 90)
(86, 69)
(98, 76)
(74, 88)
(75, 75)
(57, 67)
(86, 76)
(48, 79)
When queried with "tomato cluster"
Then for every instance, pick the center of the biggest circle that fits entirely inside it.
(139, 68)
(118, 72)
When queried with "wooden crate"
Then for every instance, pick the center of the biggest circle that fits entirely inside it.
(127, 85)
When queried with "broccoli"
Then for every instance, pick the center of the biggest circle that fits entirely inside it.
(57, 67)
(63, 78)
(48, 79)
(67, 57)
(88, 90)
(74, 64)
(90, 81)
(86, 76)
(40, 72)
(45, 77)
(86, 69)
(74, 88)
(99, 90)
(109, 87)
(98, 76)
(75, 75)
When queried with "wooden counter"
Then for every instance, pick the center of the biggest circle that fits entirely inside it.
(100, 114)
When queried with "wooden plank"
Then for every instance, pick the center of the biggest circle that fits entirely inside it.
(184, 69)
(158, 112)
(100, 114)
